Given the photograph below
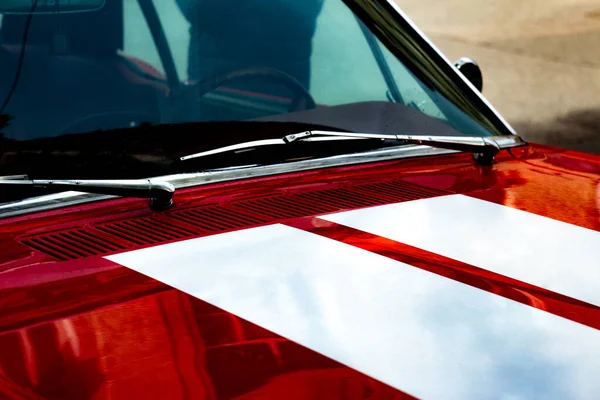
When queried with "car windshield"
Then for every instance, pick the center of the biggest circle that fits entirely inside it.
(124, 90)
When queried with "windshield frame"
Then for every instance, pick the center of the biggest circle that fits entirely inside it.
(414, 49)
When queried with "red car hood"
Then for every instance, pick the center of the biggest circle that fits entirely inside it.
(428, 277)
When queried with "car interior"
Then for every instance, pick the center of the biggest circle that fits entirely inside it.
(75, 78)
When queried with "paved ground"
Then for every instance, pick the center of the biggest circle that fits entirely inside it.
(540, 59)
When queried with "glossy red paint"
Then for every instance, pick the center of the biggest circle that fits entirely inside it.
(534, 296)
(87, 328)
(556, 183)
(116, 333)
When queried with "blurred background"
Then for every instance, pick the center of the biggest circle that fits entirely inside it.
(540, 60)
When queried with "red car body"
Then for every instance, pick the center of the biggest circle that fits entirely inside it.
(411, 277)
(76, 325)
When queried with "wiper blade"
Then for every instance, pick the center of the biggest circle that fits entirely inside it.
(159, 193)
(246, 146)
(239, 147)
(483, 148)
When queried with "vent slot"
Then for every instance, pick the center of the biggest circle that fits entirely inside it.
(396, 191)
(128, 234)
(215, 218)
(341, 198)
(146, 230)
(281, 207)
(74, 244)
(336, 199)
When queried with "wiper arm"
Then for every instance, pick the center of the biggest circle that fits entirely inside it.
(159, 193)
(483, 148)
(12, 177)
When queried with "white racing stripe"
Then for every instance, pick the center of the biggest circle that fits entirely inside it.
(419, 332)
(560, 257)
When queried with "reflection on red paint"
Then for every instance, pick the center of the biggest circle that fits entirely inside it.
(50, 361)
(84, 328)
(560, 193)
(534, 296)
(164, 345)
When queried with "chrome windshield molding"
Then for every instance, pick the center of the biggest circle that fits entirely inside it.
(457, 74)
(186, 180)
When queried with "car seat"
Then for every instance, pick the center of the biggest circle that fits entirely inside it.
(73, 72)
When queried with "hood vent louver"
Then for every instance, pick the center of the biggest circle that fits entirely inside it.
(127, 234)
(216, 218)
(73, 244)
(397, 191)
(148, 230)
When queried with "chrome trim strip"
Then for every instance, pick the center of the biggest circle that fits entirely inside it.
(180, 181)
(457, 73)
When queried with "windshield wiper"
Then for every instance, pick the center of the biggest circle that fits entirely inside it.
(159, 193)
(484, 149)
(12, 177)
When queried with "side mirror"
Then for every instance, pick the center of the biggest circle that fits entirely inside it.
(49, 6)
(471, 71)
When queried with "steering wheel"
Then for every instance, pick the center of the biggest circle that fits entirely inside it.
(301, 101)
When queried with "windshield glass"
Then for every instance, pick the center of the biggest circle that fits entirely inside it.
(123, 91)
